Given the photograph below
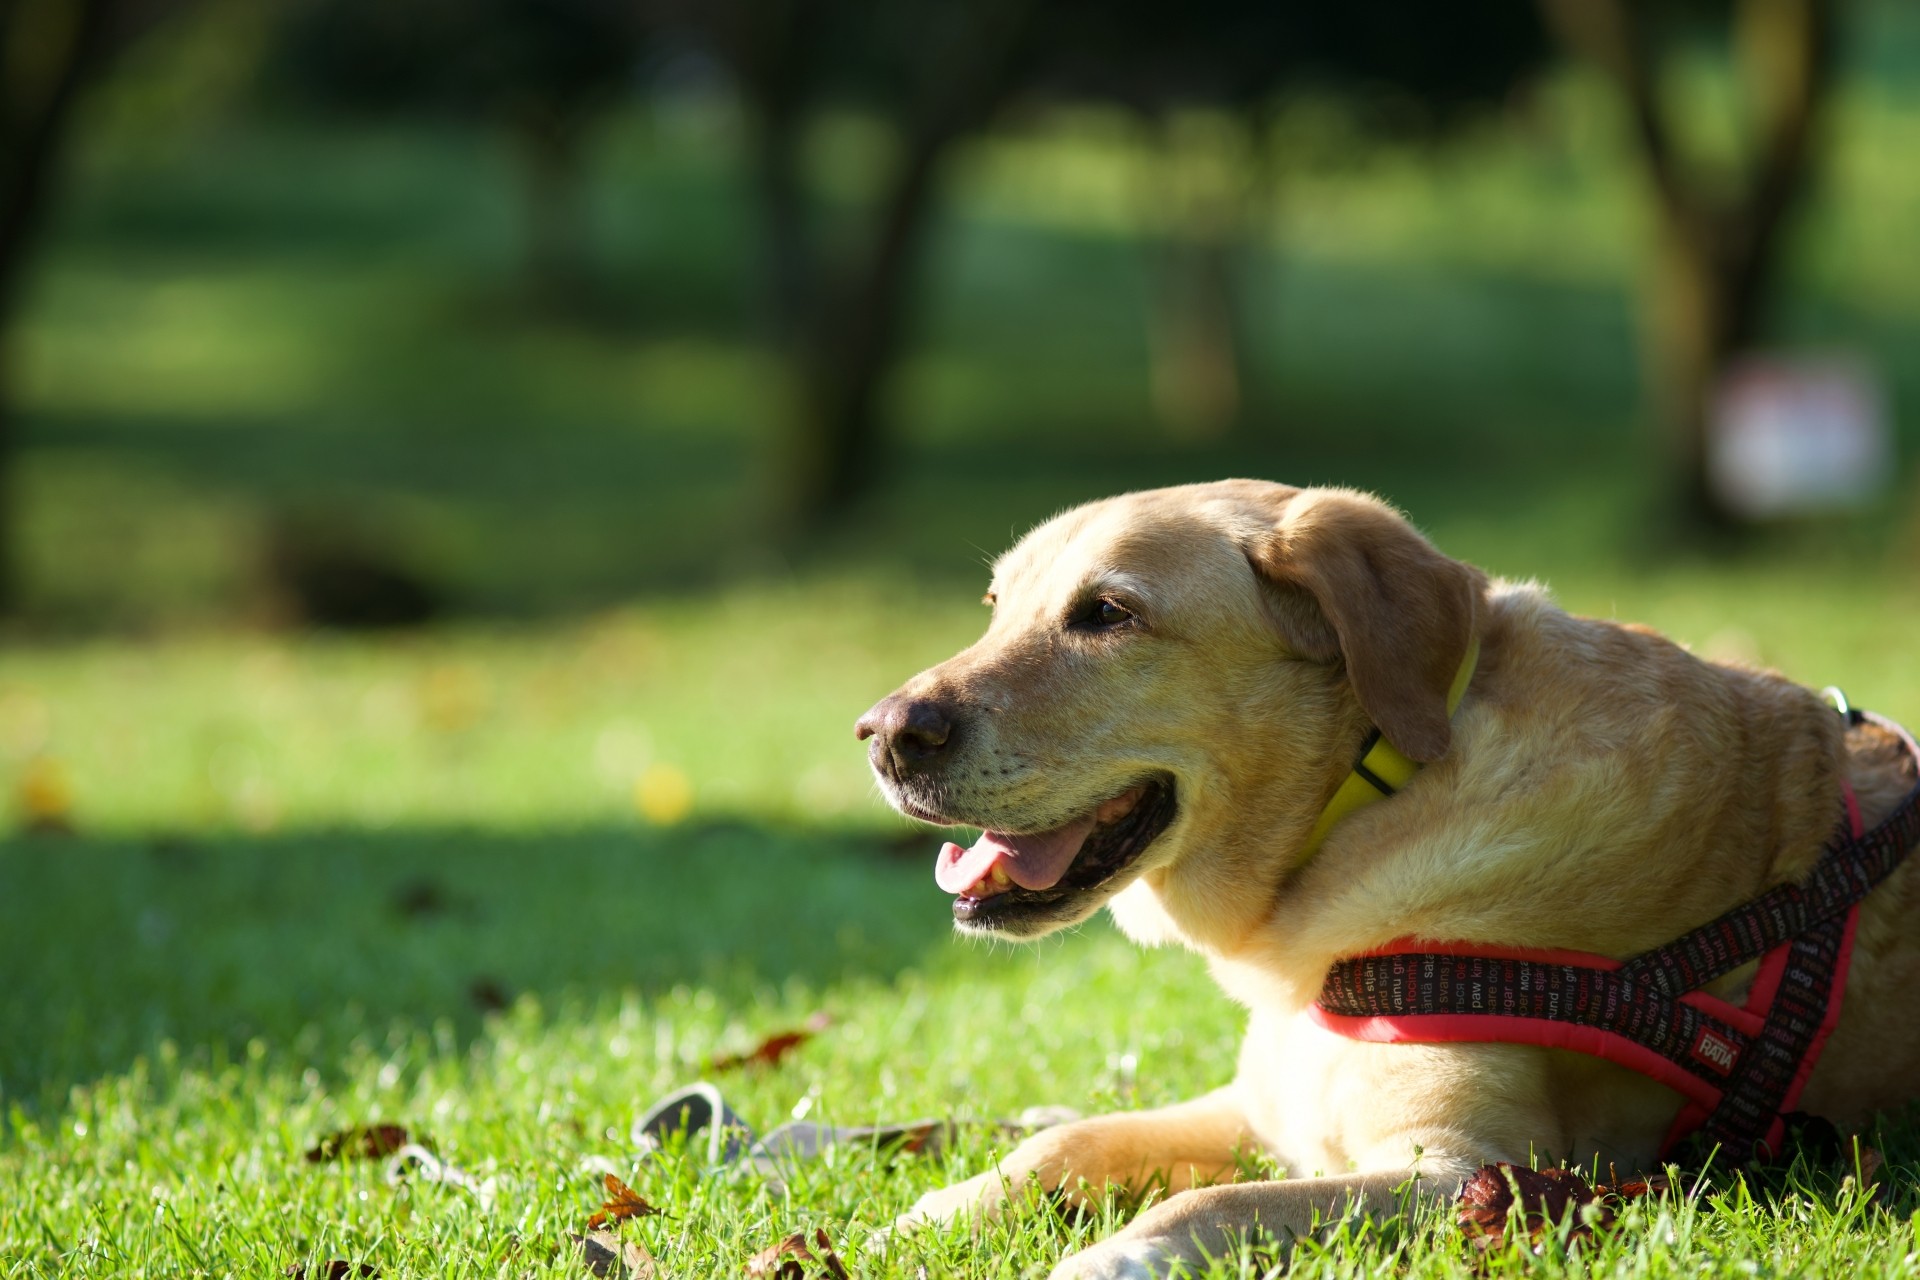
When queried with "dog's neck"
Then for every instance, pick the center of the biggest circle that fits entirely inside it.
(1215, 916)
(1382, 769)
(1605, 791)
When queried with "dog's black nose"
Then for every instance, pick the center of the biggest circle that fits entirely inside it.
(909, 734)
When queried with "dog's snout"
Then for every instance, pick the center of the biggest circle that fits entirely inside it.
(909, 734)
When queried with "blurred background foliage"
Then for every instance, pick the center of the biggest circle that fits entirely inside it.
(355, 312)
(636, 369)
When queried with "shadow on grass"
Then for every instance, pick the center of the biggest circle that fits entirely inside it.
(118, 944)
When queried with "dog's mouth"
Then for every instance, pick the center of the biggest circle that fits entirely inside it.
(1020, 883)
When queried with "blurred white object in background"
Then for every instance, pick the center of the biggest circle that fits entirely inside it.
(1794, 434)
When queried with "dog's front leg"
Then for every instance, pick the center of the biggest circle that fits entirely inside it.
(1185, 1145)
(1211, 1222)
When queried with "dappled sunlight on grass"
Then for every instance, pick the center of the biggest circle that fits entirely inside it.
(223, 1004)
(253, 995)
(507, 885)
(735, 705)
(220, 346)
(738, 706)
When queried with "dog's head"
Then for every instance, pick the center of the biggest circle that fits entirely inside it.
(1171, 686)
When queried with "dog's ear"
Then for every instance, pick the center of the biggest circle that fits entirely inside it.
(1353, 580)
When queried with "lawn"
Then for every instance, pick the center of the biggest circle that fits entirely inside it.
(507, 886)
(506, 880)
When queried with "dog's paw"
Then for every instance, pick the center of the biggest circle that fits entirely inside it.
(1119, 1260)
(978, 1198)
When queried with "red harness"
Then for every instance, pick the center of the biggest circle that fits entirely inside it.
(1740, 1068)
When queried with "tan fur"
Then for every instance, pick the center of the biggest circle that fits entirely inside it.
(1598, 789)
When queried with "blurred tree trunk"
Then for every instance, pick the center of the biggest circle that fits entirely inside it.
(838, 318)
(846, 351)
(48, 50)
(1720, 236)
(1198, 351)
(786, 236)
(772, 49)
(548, 141)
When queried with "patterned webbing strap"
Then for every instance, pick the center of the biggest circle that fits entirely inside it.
(1643, 999)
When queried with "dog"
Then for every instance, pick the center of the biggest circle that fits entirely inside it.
(1174, 685)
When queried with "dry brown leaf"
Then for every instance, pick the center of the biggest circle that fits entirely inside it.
(605, 1254)
(43, 798)
(1546, 1196)
(788, 1260)
(622, 1203)
(769, 1052)
(361, 1142)
(1870, 1164)
(489, 995)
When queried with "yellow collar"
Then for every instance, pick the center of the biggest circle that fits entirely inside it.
(1381, 769)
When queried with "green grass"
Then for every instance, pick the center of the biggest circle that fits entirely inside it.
(295, 859)
(283, 995)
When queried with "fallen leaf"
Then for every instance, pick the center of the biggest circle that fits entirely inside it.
(336, 1269)
(622, 1203)
(769, 1052)
(362, 1142)
(44, 798)
(1869, 1164)
(454, 696)
(663, 794)
(787, 1260)
(175, 852)
(489, 995)
(605, 1254)
(1545, 1196)
(418, 899)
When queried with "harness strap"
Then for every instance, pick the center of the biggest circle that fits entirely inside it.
(1566, 1001)
(1739, 1068)
(1842, 877)
(1806, 999)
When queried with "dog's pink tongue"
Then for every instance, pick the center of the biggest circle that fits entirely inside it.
(1032, 862)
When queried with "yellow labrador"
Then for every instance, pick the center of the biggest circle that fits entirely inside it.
(1174, 684)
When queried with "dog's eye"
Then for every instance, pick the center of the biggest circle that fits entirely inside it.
(1102, 615)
